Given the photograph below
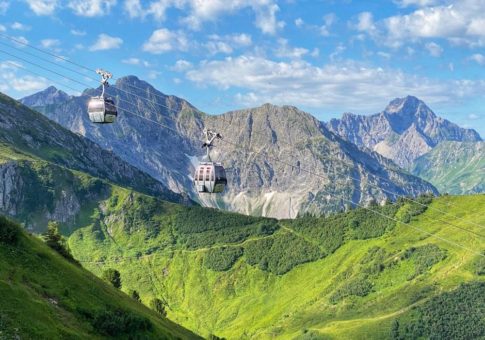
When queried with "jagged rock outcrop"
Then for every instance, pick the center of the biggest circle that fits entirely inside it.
(270, 184)
(405, 130)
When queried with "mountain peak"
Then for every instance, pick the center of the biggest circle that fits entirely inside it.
(48, 96)
(408, 106)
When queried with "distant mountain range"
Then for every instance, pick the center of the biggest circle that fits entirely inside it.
(256, 139)
(404, 131)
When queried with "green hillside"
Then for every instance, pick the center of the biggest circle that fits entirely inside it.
(43, 296)
(352, 275)
(454, 167)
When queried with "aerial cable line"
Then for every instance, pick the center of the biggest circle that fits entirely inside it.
(224, 120)
(327, 192)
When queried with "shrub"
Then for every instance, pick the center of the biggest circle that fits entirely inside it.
(112, 276)
(135, 296)
(222, 259)
(55, 241)
(119, 322)
(9, 231)
(158, 306)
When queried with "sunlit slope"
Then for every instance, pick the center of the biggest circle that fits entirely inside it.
(43, 296)
(347, 276)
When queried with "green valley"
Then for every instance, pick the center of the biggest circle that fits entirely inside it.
(350, 275)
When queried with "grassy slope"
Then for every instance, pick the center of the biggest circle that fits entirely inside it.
(44, 297)
(246, 301)
(454, 167)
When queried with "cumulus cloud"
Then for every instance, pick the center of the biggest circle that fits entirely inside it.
(227, 43)
(208, 10)
(78, 33)
(299, 82)
(434, 49)
(136, 61)
(50, 43)
(164, 40)
(13, 80)
(106, 42)
(478, 58)
(182, 65)
(19, 26)
(286, 51)
(91, 8)
(328, 21)
(461, 22)
(420, 3)
(43, 7)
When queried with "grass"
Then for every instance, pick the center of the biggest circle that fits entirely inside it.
(46, 297)
(247, 302)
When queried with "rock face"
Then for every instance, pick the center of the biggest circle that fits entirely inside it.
(265, 149)
(454, 167)
(405, 130)
(30, 132)
(49, 96)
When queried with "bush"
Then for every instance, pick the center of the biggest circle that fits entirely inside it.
(222, 259)
(135, 296)
(458, 314)
(112, 276)
(55, 241)
(282, 253)
(9, 231)
(119, 322)
(158, 306)
(424, 257)
(358, 286)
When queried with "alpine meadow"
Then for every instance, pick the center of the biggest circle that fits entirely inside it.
(318, 171)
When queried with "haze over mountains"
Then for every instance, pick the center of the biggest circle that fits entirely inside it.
(255, 140)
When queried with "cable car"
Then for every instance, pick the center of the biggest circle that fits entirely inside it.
(102, 110)
(210, 177)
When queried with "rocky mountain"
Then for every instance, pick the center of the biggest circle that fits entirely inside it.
(454, 167)
(404, 131)
(49, 96)
(36, 152)
(270, 183)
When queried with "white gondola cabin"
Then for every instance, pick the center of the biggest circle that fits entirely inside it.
(210, 177)
(102, 110)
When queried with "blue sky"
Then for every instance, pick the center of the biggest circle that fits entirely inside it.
(326, 57)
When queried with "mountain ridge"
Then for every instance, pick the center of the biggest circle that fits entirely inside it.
(406, 129)
(256, 186)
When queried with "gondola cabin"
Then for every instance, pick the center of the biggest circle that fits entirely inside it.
(210, 177)
(102, 110)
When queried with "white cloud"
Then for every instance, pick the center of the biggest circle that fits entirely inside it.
(136, 61)
(13, 81)
(420, 3)
(106, 42)
(434, 49)
(299, 22)
(461, 22)
(208, 10)
(4, 5)
(285, 51)
(301, 83)
(91, 8)
(473, 116)
(43, 7)
(227, 43)
(78, 33)
(328, 21)
(19, 26)
(478, 58)
(365, 22)
(2, 28)
(21, 41)
(163, 40)
(182, 65)
(50, 43)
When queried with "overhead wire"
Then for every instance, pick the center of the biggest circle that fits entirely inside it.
(168, 117)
